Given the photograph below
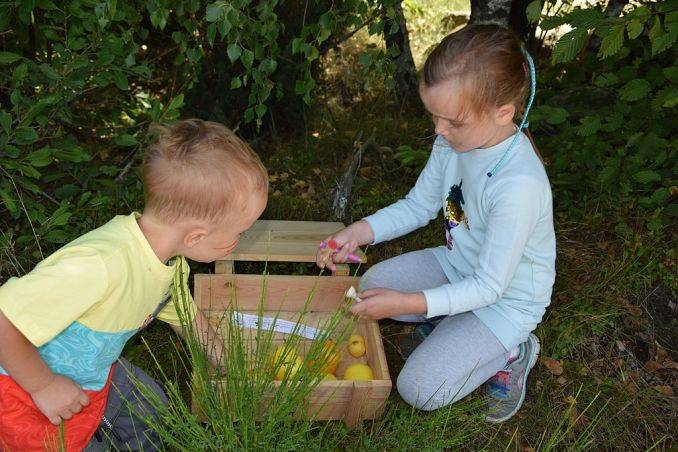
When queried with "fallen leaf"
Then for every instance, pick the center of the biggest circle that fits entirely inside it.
(277, 193)
(562, 297)
(634, 310)
(600, 362)
(620, 346)
(553, 365)
(538, 385)
(653, 366)
(662, 354)
(663, 389)
(404, 125)
(671, 365)
(562, 380)
(272, 177)
(317, 171)
(574, 418)
(630, 387)
(311, 190)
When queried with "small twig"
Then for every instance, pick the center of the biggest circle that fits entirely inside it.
(49, 197)
(23, 206)
(347, 36)
(162, 54)
(342, 192)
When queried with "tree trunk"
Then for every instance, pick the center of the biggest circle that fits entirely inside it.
(490, 12)
(405, 76)
(614, 7)
(507, 13)
(518, 20)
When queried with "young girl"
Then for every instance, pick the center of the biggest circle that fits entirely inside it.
(487, 288)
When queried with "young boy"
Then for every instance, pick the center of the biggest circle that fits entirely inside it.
(64, 325)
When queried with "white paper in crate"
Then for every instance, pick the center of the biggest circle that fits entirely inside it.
(277, 325)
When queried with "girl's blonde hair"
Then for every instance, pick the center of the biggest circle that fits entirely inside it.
(488, 61)
(199, 169)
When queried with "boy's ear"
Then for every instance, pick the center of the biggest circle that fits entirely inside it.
(194, 236)
(504, 114)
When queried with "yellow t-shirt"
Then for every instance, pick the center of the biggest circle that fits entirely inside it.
(81, 304)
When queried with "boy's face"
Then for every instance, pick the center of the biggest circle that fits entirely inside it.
(463, 132)
(218, 240)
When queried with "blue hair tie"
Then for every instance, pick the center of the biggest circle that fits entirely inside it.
(523, 122)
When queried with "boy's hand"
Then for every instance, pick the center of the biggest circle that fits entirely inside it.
(383, 303)
(347, 241)
(60, 399)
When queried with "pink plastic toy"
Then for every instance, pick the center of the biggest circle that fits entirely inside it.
(333, 246)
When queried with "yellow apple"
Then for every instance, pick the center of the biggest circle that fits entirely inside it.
(285, 361)
(358, 371)
(330, 355)
(356, 345)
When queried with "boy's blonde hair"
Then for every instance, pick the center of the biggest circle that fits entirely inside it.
(199, 169)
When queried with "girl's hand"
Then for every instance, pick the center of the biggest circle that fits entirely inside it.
(383, 303)
(60, 399)
(347, 241)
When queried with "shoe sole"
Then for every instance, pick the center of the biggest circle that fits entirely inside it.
(530, 365)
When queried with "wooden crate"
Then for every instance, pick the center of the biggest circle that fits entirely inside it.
(285, 296)
(283, 241)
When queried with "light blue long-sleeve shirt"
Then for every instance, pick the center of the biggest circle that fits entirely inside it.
(501, 247)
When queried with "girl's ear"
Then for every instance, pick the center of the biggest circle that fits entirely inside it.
(504, 114)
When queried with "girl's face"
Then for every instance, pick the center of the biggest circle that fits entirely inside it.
(465, 132)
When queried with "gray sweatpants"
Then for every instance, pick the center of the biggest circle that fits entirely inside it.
(458, 356)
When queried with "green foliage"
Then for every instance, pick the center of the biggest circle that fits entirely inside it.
(82, 81)
(604, 121)
(533, 11)
(412, 157)
(74, 69)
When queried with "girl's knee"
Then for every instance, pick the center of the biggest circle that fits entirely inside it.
(418, 392)
(373, 278)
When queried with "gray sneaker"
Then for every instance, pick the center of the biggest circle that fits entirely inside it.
(506, 389)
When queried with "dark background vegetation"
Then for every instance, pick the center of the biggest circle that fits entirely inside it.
(306, 83)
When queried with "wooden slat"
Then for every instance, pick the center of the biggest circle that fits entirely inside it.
(375, 351)
(281, 292)
(225, 266)
(341, 270)
(284, 241)
(356, 409)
